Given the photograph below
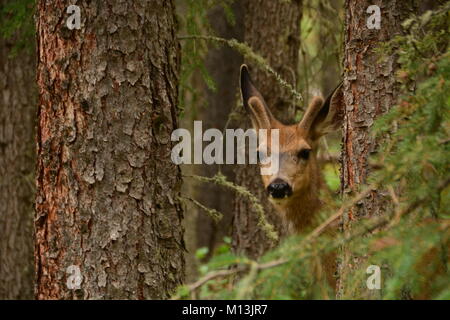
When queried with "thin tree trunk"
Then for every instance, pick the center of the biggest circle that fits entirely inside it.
(330, 45)
(17, 127)
(425, 5)
(369, 90)
(107, 192)
(223, 65)
(272, 29)
(213, 109)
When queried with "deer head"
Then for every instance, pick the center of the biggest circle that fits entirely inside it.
(294, 189)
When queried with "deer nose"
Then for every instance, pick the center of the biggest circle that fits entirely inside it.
(279, 189)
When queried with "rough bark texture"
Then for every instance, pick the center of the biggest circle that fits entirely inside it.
(17, 157)
(107, 191)
(223, 65)
(369, 91)
(272, 29)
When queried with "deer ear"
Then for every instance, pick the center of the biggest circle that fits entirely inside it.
(323, 117)
(254, 103)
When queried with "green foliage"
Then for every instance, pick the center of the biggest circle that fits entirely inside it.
(416, 154)
(410, 241)
(331, 176)
(415, 160)
(16, 23)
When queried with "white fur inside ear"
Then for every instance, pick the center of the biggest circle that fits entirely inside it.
(311, 113)
(335, 114)
(260, 116)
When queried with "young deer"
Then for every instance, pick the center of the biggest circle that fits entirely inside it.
(294, 189)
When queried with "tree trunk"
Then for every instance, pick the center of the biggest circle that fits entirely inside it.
(272, 29)
(107, 203)
(17, 127)
(369, 90)
(425, 5)
(223, 65)
(330, 71)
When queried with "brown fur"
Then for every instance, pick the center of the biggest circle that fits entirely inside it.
(303, 175)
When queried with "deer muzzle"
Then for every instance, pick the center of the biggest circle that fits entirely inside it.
(279, 189)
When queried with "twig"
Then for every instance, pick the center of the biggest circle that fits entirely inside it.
(278, 262)
(241, 268)
(401, 212)
(363, 229)
(213, 213)
(317, 231)
(221, 180)
(247, 52)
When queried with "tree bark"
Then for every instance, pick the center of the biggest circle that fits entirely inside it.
(425, 5)
(272, 29)
(223, 65)
(369, 90)
(107, 192)
(330, 71)
(17, 127)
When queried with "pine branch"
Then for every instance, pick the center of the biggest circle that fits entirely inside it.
(212, 213)
(248, 53)
(220, 180)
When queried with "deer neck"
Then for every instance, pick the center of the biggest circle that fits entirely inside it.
(300, 212)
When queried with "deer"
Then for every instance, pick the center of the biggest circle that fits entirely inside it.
(295, 188)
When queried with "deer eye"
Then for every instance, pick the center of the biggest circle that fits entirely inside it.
(304, 154)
